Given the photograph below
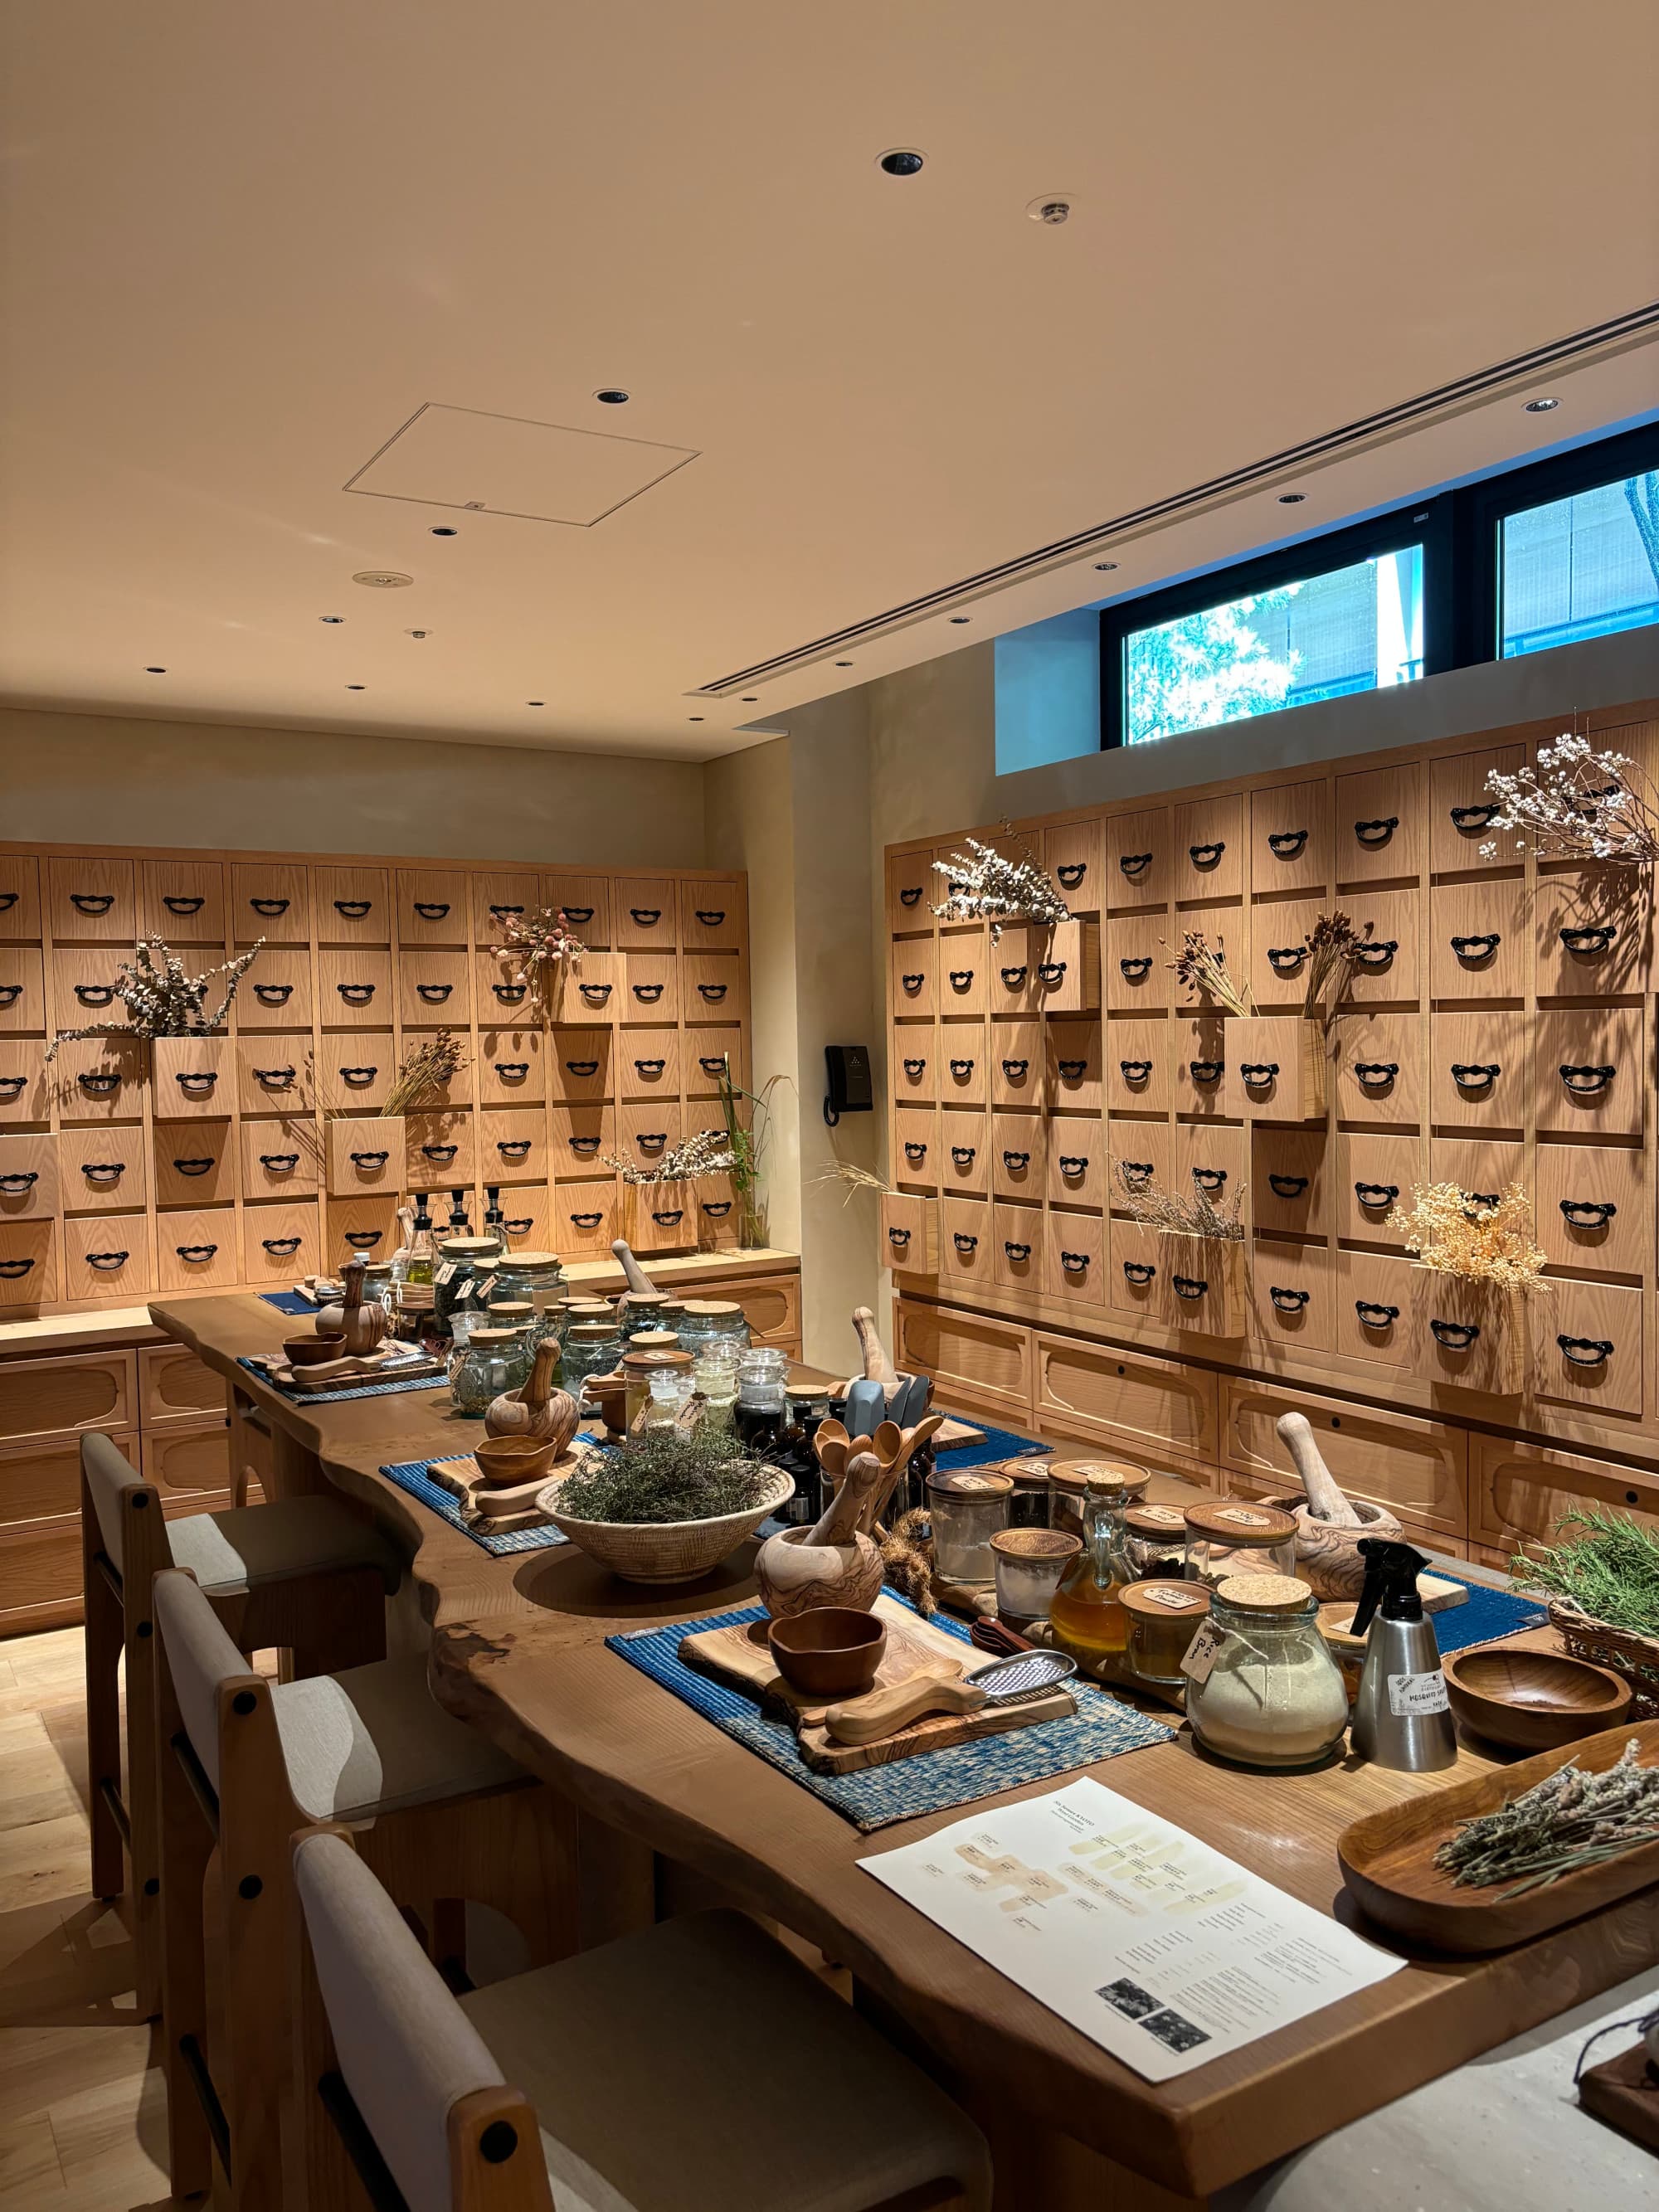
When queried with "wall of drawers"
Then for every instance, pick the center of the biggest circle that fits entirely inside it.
(250, 1157)
(1501, 1030)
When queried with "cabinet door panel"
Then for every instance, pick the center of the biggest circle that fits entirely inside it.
(1137, 1055)
(964, 1152)
(644, 913)
(270, 899)
(1595, 932)
(1594, 1210)
(966, 1257)
(1290, 1172)
(1073, 1056)
(1375, 1176)
(1209, 849)
(1074, 853)
(101, 1170)
(913, 1062)
(1292, 1296)
(275, 992)
(1018, 1232)
(1479, 1069)
(713, 914)
(92, 902)
(432, 906)
(1479, 946)
(1290, 837)
(510, 1068)
(22, 990)
(585, 902)
(1587, 1348)
(1372, 1308)
(1593, 1071)
(512, 1141)
(1519, 1493)
(106, 1255)
(967, 1354)
(197, 1250)
(353, 906)
(1074, 1259)
(1154, 1405)
(281, 1243)
(1461, 809)
(1379, 825)
(1139, 848)
(964, 956)
(964, 1079)
(1018, 1155)
(1412, 1466)
(1076, 1165)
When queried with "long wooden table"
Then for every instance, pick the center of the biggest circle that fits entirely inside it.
(518, 1648)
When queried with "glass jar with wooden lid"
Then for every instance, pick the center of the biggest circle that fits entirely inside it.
(712, 1320)
(1029, 1563)
(1267, 1691)
(1164, 1618)
(1071, 1480)
(1229, 1536)
(536, 1277)
(966, 1510)
(577, 1310)
(1155, 1541)
(638, 1367)
(495, 1360)
(591, 1348)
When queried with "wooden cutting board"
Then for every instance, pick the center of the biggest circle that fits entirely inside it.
(741, 1655)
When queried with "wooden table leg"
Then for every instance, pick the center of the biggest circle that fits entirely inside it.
(616, 1882)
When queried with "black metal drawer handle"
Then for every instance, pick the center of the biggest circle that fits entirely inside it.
(711, 1063)
(1586, 1351)
(358, 1078)
(1377, 954)
(1137, 1274)
(718, 1208)
(647, 993)
(712, 991)
(1286, 959)
(279, 1078)
(1475, 1074)
(1373, 1316)
(517, 1148)
(7, 900)
(1591, 941)
(965, 1244)
(1051, 974)
(1257, 1074)
(1454, 1335)
(1376, 1197)
(92, 902)
(10, 993)
(269, 908)
(1477, 1199)
(581, 1068)
(1013, 1069)
(1136, 1173)
(94, 994)
(1190, 1287)
(964, 1156)
(362, 1240)
(1375, 1074)
(108, 1263)
(1287, 844)
(962, 1069)
(440, 1155)
(1133, 1071)
(353, 909)
(195, 1165)
(1016, 1162)
(1468, 819)
(280, 1163)
(196, 1253)
(198, 1084)
(592, 994)
(1288, 1301)
(585, 1220)
(511, 1071)
(1072, 1071)
(960, 978)
(710, 917)
(12, 1088)
(182, 906)
(1017, 1253)
(1134, 864)
(432, 909)
(434, 994)
(668, 1217)
(1586, 1213)
(1476, 948)
(1073, 1166)
(1013, 977)
(909, 895)
(649, 1066)
(912, 982)
(1071, 874)
(280, 1248)
(19, 1185)
(953, 890)
(1075, 1263)
(1377, 832)
(1206, 1071)
(1209, 1179)
(916, 1153)
(521, 1227)
(645, 916)
(900, 1237)
(103, 1175)
(13, 1271)
(1587, 1082)
(502, 912)
(368, 1161)
(356, 994)
(273, 994)
(1136, 971)
(1206, 856)
(510, 994)
(99, 1085)
(1285, 1186)
(651, 1140)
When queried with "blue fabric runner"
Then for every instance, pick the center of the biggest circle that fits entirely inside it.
(287, 1302)
(335, 1397)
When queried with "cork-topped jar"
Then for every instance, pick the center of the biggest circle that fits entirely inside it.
(1070, 1481)
(1229, 1536)
(967, 1510)
(1164, 1618)
(1155, 1539)
(1266, 1690)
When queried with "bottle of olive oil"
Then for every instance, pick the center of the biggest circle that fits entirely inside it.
(1086, 1612)
(422, 1253)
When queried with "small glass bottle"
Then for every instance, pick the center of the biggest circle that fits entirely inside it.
(1087, 1615)
(1273, 1695)
(399, 1262)
(640, 1368)
(423, 1256)
(715, 1373)
(495, 1221)
(806, 1408)
(1070, 1481)
(762, 1378)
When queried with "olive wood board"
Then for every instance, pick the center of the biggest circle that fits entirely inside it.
(954, 1434)
(329, 1374)
(494, 1512)
(742, 1655)
(1388, 1857)
(1625, 2092)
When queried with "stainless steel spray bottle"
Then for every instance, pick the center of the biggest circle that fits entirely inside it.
(1402, 1719)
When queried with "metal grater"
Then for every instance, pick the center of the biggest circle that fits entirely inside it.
(1024, 1674)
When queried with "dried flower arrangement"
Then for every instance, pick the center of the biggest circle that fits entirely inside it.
(1201, 968)
(746, 1140)
(985, 885)
(425, 1070)
(1611, 1572)
(1577, 804)
(1482, 1244)
(161, 1000)
(537, 945)
(1569, 1820)
(1333, 947)
(1195, 1215)
(853, 1179)
(706, 1151)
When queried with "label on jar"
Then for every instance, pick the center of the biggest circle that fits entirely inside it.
(445, 1273)
(1413, 1696)
(1175, 1599)
(1201, 1653)
(1241, 1519)
(1165, 1515)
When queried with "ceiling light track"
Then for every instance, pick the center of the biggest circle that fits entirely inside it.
(1389, 422)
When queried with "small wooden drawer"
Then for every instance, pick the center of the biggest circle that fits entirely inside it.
(457, 1092)
(41, 1493)
(106, 1255)
(30, 1185)
(582, 1216)
(705, 1055)
(916, 1155)
(432, 907)
(1203, 1285)
(1468, 1335)
(581, 1066)
(1372, 1318)
(513, 1145)
(963, 1079)
(1386, 969)
(101, 1170)
(92, 902)
(353, 906)
(1137, 978)
(357, 1224)
(1205, 1076)
(500, 899)
(1591, 1072)
(1138, 1153)
(1139, 867)
(192, 1078)
(1075, 1171)
(1278, 952)
(432, 988)
(946, 881)
(1291, 1171)
(966, 1252)
(1290, 1296)
(1520, 1493)
(1151, 1405)
(64, 1396)
(913, 890)
(644, 918)
(1005, 979)
(197, 1250)
(275, 992)
(1137, 1264)
(1074, 853)
(964, 1152)
(274, 1074)
(1075, 1271)
(1379, 1065)
(83, 986)
(771, 1306)
(439, 1151)
(909, 1233)
(1209, 849)
(23, 991)
(1137, 1056)
(366, 1153)
(1018, 1063)
(1595, 933)
(580, 1140)
(583, 900)
(647, 1131)
(270, 899)
(1461, 809)
(527, 1219)
(660, 1217)
(99, 1079)
(1379, 825)
(26, 1083)
(718, 1215)
(281, 1242)
(281, 1158)
(1213, 1160)
(1019, 1234)
(1067, 964)
(1479, 944)
(1277, 1067)
(1290, 837)
(1019, 1152)
(511, 1066)
(651, 987)
(354, 990)
(195, 1163)
(590, 991)
(649, 1063)
(968, 1355)
(913, 965)
(1415, 1467)
(194, 1460)
(1586, 1346)
(1594, 1210)
(20, 896)
(713, 913)
(712, 987)
(1375, 1180)
(1073, 1056)
(1482, 1171)
(913, 1060)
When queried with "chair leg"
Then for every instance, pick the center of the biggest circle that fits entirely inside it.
(185, 1847)
(255, 2056)
(104, 1629)
(144, 1820)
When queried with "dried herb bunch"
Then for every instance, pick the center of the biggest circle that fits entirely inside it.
(705, 1152)
(1194, 1215)
(985, 885)
(1201, 968)
(1611, 1572)
(535, 946)
(746, 1136)
(425, 1070)
(667, 1474)
(1484, 1243)
(161, 1000)
(1332, 946)
(853, 1179)
(1577, 804)
(1569, 1820)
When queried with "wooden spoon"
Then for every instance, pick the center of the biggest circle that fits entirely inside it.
(938, 1688)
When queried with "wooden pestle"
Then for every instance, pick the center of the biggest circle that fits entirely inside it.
(635, 1276)
(839, 1521)
(1325, 1501)
(878, 1367)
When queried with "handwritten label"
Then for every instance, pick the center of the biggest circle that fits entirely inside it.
(1413, 1695)
(1241, 1519)
(1201, 1653)
(1165, 1515)
(1177, 1600)
(444, 1273)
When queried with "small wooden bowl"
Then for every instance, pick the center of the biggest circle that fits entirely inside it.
(830, 1652)
(312, 1351)
(1535, 1700)
(503, 1460)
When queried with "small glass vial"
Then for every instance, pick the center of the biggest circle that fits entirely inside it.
(1164, 1618)
(806, 1408)
(1234, 1536)
(423, 1256)
(1272, 1695)
(762, 1383)
(1155, 1541)
(495, 1360)
(1028, 1564)
(639, 1367)
(967, 1510)
(668, 1393)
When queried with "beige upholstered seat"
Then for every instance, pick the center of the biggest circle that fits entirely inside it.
(695, 2067)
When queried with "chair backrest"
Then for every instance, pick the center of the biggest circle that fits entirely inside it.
(112, 1481)
(404, 2048)
(200, 1656)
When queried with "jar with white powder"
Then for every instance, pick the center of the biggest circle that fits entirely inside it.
(1263, 1689)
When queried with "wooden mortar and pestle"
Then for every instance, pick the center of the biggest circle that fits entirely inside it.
(1329, 1525)
(536, 1408)
(831, 1563)
(360, 1327)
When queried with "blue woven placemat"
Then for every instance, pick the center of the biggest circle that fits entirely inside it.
(287, 1302)
(412, 1475)
(878, 1795)
(335, 1397)
(1489, 1615)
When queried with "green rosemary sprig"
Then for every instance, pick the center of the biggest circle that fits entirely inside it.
(1612, 1572)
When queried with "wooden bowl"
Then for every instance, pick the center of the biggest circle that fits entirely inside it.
(831, 1652)
(503, 1460)
(312, 1351)
(1535, 1700)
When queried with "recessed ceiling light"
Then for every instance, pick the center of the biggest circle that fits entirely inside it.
(902, 161)
(356, 687)
(445, 530)
(961, 618)
(331, 618)
(752, 698)
(155, 671)
(1052, 208)
(843, 664)
(1292, 498)
(1105, 567)
(535, 702)
(1542, 406)
(382, 580)
(611, 396)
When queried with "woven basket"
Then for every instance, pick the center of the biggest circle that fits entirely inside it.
(1634, 1659)
(665, 1551)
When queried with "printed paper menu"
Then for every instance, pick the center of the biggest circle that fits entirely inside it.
(1158, 1948)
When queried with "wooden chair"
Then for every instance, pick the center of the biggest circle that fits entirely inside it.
(442, 1815)
(695, 2067)
(303, 1575)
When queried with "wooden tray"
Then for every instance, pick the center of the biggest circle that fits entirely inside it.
(1388, 1857)
(741, 1656)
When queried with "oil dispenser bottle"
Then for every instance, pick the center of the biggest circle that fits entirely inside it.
(1402, 1717)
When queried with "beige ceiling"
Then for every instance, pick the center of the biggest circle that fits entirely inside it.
(246, 245)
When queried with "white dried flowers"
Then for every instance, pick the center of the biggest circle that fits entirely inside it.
(161, 1000)
(985, 885)
(1577, 804)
